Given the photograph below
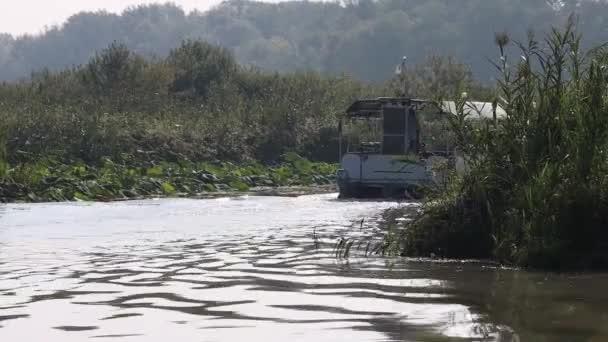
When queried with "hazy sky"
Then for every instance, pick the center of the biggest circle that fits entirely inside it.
(31, 16)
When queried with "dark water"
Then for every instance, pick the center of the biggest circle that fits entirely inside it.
(261, 269)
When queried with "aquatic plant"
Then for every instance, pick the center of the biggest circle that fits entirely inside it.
(49, 179)
(536, 192)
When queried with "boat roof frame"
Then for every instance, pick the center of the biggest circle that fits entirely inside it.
(372, 108)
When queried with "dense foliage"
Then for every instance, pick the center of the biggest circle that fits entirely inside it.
(196, 104)
(365, 38)
(124, 126)
(536, 193)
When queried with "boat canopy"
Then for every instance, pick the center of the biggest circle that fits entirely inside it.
(374, 107)
(473, 109)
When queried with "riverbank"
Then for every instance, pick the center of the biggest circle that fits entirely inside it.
(262, 191)
(535, 193)
(49, 180)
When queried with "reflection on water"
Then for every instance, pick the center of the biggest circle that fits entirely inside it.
(261, 268)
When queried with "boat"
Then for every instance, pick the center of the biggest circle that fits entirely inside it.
(384, 156)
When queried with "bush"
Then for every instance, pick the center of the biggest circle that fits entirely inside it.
(196, 104)
(536, 193)
(3, 157)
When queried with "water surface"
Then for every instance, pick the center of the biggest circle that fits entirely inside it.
(261, 269)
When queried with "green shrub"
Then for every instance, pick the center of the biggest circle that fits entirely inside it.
(536, 193)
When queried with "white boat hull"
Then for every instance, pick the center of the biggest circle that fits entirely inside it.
(378, 175)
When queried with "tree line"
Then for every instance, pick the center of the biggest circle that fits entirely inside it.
(363, 38)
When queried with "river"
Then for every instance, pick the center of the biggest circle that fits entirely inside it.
(262, 269)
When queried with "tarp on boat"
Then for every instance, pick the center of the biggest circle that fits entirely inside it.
(374, 107)
(475, 110)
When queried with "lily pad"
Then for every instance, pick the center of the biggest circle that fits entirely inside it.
(155, 171)
(239, 185)
(168, 188)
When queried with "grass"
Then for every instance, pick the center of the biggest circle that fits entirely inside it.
(536, 194)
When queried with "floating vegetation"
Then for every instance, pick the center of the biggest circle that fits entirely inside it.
(49, 179)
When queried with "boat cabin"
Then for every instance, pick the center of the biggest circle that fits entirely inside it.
(391, 124)
(383, 148)
(384, 154)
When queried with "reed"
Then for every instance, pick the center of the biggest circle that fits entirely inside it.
(536, 194)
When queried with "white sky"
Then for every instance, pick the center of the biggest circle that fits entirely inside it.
(32, 16)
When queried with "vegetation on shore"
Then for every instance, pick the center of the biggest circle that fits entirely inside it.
(107, 123)
(123, 126)
(197, 104)
(536, 192)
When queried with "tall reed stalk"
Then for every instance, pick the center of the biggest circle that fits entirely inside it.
(3, 154)
(537, 191)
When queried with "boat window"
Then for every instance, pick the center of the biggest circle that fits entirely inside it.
(394, 126)
(393, 145)
(394, 121)
(363, 135)
(413, 132)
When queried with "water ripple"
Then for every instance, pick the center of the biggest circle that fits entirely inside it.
(264, 268)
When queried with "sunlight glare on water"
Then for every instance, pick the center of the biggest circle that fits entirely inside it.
(260, 268)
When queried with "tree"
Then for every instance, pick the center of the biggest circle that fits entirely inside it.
(437, 76)
(199, 65)
(112, 69)
(358, 37)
